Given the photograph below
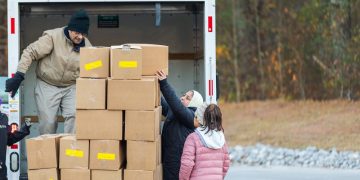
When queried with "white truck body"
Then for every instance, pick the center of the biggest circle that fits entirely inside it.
(187, 27)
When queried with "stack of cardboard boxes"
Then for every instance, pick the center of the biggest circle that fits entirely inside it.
(134, 88)
(42, 156)
(94, 122)
(118, 117)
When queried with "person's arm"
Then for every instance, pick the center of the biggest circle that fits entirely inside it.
(226, 161)
(35, 51)
(183, 114)
(14, 137)
(164, 106)
(187, 158)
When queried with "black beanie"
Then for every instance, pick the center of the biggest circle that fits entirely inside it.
(79, 22)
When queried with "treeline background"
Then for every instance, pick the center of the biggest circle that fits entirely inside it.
(270, 49)
(289, 49)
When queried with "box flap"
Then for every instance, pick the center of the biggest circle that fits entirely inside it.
(125, 47)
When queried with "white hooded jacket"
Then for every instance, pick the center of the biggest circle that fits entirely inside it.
(213, 139)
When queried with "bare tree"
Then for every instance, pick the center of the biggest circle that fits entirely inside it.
(280, 49)
(235, 42)
(259, 52)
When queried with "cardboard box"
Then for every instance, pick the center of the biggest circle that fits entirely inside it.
(155, 57)
(106, 154)
(142, 125)
(158, 92)
(94, 62)
(42, 151)
(99, 124)
(126, 62)
(102, 174)
(90, 93)
(72, 174)
(159, 159)
(132, 94)
(43, 174)
(143, 155)
(143, 175)
(74, 153)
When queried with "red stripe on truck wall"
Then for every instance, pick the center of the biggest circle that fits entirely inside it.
(211, 88)
(210, 24)
(14, 146)
(12, 28)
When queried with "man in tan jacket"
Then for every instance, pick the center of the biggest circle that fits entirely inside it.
(57, 53)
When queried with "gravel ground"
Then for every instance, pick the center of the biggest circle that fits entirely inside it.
(265, 155)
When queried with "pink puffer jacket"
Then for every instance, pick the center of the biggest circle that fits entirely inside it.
(201, 163)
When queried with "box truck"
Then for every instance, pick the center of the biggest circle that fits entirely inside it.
(187, 27)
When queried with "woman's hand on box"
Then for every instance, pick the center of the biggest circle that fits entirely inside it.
(161, 75)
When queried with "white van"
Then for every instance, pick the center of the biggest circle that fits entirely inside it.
(187, 27)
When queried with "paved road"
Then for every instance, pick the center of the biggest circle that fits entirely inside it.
(290, 173)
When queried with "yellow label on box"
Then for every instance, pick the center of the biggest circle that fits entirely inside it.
(74, 153)
(93, 65)
(128, 64)
(106, 156)
(51, 179)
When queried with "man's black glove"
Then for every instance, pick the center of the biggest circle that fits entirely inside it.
(12, 84)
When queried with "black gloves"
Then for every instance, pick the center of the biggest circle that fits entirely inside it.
(26, 127)
(16, 136)
(12, 84)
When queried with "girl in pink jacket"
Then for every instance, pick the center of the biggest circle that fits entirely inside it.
(205, 155)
